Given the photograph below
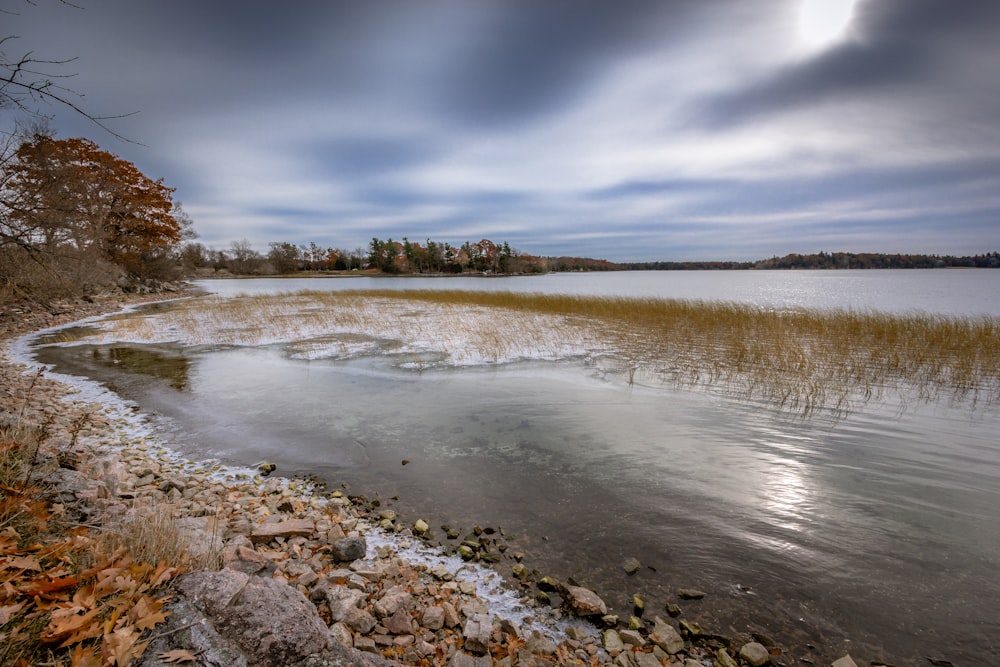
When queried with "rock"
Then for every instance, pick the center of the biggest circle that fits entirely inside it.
(584, 602)
(612, 642)
(666, 636)
(845, 661)
(187, 628)
(547, 584)
(645, 660)
(461, 659)
(432, 618)
(690, 594)
(420, 527)
(538, 644)
(342, 634)
(451, 618)
(638, 604)
(689, 629)
(477, 633)
(755, 654)
(267, 532)
(266, 468)
(520, 571)
(349, 549)
(244, 559)
(632, 638)
(723, 659)
(399, 623)
(393, 600)
(269, 622)
(631, 566)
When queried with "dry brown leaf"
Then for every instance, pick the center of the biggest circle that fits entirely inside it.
(6, 613)
(69, 624)
(178, 655)
(121, 646)
(23, 563)
(84, 657)
(146, 613)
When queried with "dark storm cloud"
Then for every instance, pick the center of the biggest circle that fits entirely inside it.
(536, 57)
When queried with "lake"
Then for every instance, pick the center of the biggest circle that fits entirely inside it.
(876, 534)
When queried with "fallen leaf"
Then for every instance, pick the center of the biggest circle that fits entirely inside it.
(121, 646)
(23, 563)
(147, 613)
(6, 613)
(178, 655)
(84, 657)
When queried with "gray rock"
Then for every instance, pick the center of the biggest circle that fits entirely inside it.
(755, 654)
(266, 532)
(432, 618)
(666, 636)
(269, 623)
(349, 549)
(476, 632)
(244, 559)
(393, 600)
(632, 638)
(539, 644)
(461, 659)
(612, 642)
(400, 623)
(584, 602)
(645, 660)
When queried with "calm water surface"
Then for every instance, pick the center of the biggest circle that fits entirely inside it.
(878, 534)
(944, 291)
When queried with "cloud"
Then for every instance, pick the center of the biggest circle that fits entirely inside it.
(656, 129)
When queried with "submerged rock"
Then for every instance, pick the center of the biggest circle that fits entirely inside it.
(755, 654)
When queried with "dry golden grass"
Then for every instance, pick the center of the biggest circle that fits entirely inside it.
(799, 360)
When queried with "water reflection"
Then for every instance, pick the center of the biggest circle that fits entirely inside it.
(158, 362)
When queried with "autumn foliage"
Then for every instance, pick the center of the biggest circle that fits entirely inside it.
(68, 207)
(65, 598)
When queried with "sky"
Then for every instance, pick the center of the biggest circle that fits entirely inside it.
(631, 130)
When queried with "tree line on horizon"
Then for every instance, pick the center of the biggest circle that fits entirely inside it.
(387, 256)
(835, 260)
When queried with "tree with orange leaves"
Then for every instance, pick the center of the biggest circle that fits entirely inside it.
(67, 198)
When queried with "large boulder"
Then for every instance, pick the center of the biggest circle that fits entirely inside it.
(263, 620)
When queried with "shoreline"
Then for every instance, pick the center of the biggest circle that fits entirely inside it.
(247, 516)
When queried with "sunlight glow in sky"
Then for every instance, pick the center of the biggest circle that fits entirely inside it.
(821, 22)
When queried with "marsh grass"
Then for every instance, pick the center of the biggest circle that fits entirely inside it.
(798, 360)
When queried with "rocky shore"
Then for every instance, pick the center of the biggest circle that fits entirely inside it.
(291, 574)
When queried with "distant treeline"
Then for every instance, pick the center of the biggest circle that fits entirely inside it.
(835, 260)
(407, 257)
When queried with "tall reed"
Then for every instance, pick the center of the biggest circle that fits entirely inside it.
(800, 360)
